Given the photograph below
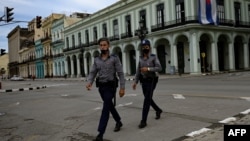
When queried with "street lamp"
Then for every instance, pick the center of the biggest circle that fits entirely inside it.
(142, 31)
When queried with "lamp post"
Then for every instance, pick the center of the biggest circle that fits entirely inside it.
(142, 31)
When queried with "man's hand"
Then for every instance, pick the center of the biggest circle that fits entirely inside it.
(134, 86)
(122, 92)
(144, 69)
(88, 86)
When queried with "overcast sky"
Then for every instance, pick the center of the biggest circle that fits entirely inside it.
(26, 10)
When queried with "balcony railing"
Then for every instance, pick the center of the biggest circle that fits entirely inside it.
(114, 38)
(126, 35)
(57, 42)
(58, 55)
(46, 39)
(95, 42)
(194, 19)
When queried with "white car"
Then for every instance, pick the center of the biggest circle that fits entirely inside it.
(17, 78)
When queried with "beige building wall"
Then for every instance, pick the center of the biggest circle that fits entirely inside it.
(15, 39)
(4, 60)
(27, 54)
(46, 42)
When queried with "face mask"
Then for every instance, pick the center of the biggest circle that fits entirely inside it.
(146, 51)
(104, 51)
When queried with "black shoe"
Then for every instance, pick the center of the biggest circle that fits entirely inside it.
(158, 114)
(118, 126)
(98, 138)
(142, 124)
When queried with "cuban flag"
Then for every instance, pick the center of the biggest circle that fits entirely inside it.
(208, 12)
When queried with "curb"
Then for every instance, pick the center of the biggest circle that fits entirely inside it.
(213, 126)
(23, 89)
(127, 79)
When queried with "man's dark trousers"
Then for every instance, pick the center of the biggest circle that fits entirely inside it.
(107, 94)
(148, 89)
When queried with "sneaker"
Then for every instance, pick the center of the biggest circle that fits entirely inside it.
(158, 114)
(118, 126)
(142, 124)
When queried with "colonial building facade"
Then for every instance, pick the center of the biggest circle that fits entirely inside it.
(27, 54)
(58, 41)
(15, 40)
(44, 59)
(182, 44)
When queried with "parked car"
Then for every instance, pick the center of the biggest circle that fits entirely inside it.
(17, 78)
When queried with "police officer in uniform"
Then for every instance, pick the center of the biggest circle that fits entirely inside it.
(107, 66)
(146, 73)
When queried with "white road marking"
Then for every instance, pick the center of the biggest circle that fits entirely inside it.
(245, 112)
(130, 103)
(130, 94)
(97, 108)
(64, 95)
(52, 85)
(245, 98)
(178, 96)
(227, 120)
(119, 105)
(194, 133)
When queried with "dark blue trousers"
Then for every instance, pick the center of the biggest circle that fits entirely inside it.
(148, 90)
(107, 94)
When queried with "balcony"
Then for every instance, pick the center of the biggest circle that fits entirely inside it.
(57, 42)
(194, 19)
(58, 55)
(114, 38)
(47, 38)
(45, 57)
(95, 42)
(126, 35)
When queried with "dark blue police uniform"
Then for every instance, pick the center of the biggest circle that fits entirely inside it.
(148, 82)
(106, 71)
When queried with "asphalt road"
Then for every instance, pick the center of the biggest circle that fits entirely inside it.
(66, 111)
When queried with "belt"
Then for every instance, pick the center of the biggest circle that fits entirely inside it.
(109, 83)
(149, 79)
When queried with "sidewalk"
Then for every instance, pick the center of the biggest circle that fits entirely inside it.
(215, 132)
(128, 78)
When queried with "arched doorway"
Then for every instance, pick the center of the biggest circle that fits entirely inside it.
(205, 54)
(132, 62)
(182, 54)
(238, 53)
(88, 60)
(223, 57)
(117, 51)
(74, 66)
(69, 66)
(249, 51)
(163, 53)
(81, 65)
